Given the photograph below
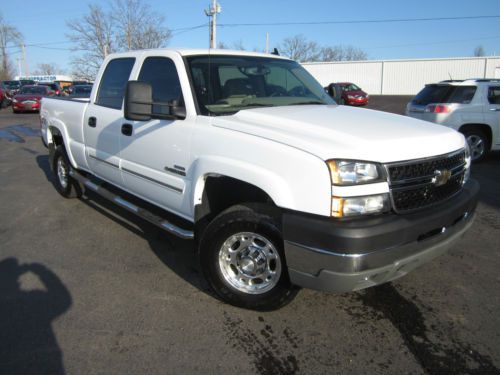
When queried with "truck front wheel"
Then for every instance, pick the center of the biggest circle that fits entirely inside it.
(66, 185)
(242, 257)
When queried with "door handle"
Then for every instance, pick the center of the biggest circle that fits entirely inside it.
(495, 109)
(92, 122)
(127, 129)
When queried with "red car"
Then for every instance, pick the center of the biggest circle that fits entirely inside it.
(28, 98)
(352, 94)
(2, 97)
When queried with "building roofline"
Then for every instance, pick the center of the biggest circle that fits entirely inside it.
(401, 60)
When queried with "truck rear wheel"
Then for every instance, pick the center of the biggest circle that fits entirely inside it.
(242, 257)
(66, 185)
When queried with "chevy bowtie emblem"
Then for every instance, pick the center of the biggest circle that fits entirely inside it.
(441, 177)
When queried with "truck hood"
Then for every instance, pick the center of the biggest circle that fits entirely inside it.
(343, 132)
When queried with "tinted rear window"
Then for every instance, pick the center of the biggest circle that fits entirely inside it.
(445, 94)
(113, 82)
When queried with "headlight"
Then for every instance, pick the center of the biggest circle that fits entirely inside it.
(354, 206)
(350, 172)
(14, 100)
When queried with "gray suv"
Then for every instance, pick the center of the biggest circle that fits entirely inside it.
(471, 107)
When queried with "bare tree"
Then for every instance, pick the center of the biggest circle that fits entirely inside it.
(9, 36)
(299, 48)
(94, 35)
(47, 69)
(222, 45)
(342, 53)
(479, 51)
(238, 45)
(129, 25)
(137, 26)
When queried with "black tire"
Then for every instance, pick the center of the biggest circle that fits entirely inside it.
(70, 189)
(479, 144)
(241, 220)
(16, 112)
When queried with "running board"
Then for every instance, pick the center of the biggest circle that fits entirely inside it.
(141, 212)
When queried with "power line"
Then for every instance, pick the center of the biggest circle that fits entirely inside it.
(434, 43)
(393, 20)
(176, 32)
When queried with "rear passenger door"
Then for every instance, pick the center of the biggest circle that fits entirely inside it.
(492, 113)
(103, 121)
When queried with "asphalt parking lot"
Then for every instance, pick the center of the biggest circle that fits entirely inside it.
(86, 288)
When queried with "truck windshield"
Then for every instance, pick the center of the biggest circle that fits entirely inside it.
(227, 84)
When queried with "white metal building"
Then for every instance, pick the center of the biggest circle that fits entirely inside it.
(403, 77)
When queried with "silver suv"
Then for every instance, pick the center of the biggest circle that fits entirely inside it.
(470, 106)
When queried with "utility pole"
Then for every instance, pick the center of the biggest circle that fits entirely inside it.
(267, 42)
(212, 12)
(25, 62)
(19, 66)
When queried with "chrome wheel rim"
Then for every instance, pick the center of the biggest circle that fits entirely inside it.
(476, 145)
(62, 173)
(250, 263)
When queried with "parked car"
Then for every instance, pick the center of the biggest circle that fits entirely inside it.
(11, 87)
(349, 94)
(248, 156)
(27, 82)
(29, 97)
(81, 91)
(53, 86)
(3, 99)
(470, 106)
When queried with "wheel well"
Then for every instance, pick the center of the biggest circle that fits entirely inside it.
(221, 192)
(56, 136)
(482, 127)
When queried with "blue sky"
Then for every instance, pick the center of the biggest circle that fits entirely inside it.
(45, 22)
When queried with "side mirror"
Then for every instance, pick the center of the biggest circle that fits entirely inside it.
(138, 101)
(177, 110)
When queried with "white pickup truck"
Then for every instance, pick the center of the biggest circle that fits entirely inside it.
(277, 184)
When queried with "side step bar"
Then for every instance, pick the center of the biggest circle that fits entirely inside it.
(141, 212)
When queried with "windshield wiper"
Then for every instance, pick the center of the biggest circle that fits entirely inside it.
(254, 105)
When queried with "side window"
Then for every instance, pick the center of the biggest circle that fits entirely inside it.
(462, 94)
(113, 83)
(494, 95)
(161, 73)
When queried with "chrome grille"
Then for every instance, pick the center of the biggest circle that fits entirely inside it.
(414, 184)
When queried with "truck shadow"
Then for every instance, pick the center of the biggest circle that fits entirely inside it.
(177, 254)
(43, 164)
(28, 344)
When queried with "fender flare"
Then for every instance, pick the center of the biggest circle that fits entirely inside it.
(60, 129)
(273, 185)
